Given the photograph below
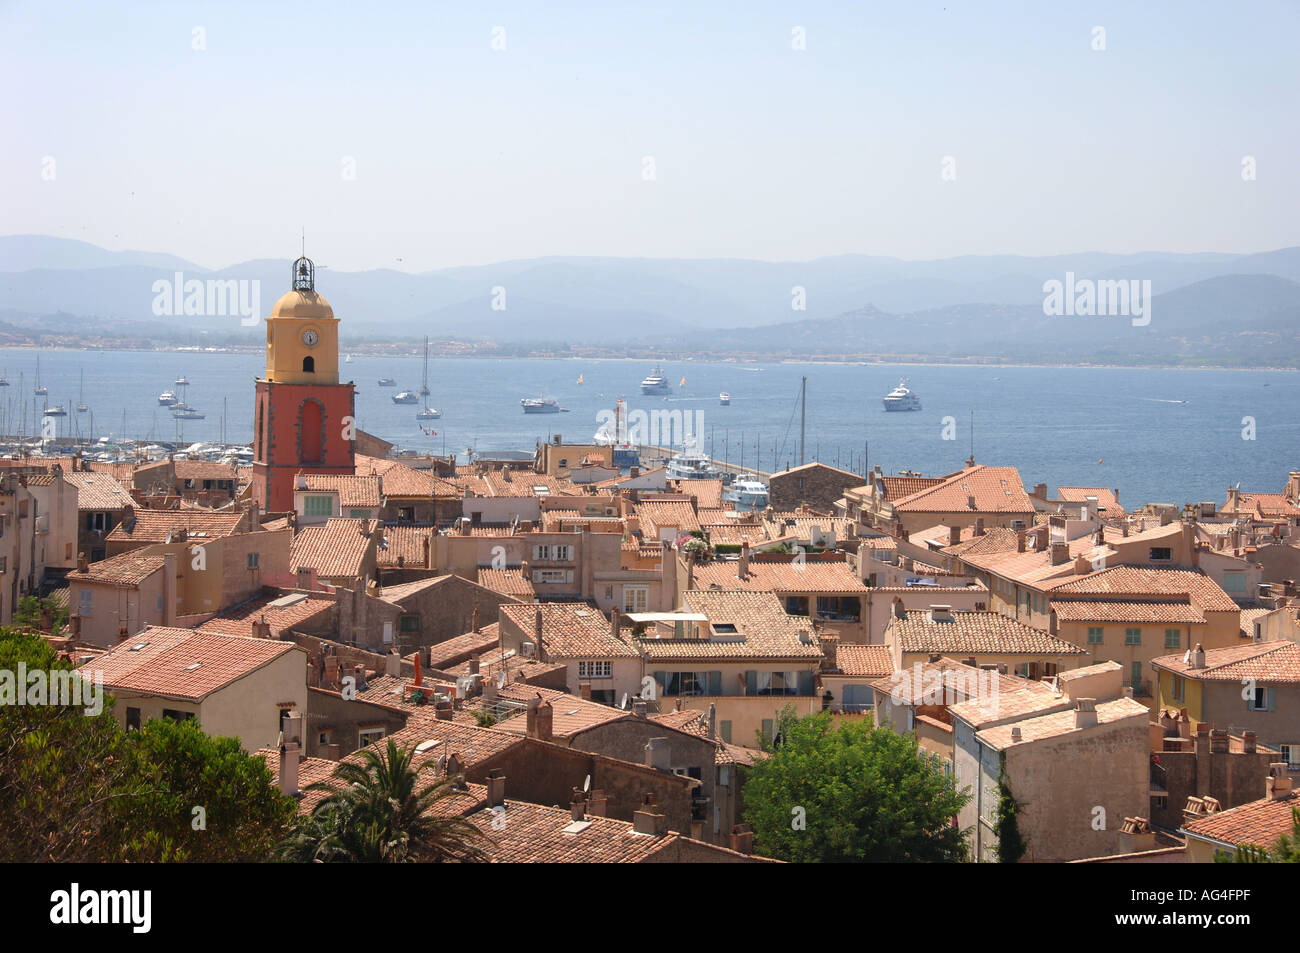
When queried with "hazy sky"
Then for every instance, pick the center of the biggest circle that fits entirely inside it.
(466, 154)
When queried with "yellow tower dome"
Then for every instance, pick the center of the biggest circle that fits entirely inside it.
(302, 334)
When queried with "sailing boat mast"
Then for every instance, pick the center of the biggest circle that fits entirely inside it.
(424, 388)
(803, 416)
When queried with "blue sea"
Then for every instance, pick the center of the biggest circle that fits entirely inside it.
(1155, 435)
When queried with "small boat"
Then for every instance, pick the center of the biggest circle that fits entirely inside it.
(41, 389)
(579, 378)
(182, 412)
(406, 397)
(656, 383)
(692, 464)
(724, 398)
(901, 398)
(428, 414)
(168, 399)
(4, 380)
(55, 411)
(348, 359)
(387, 382)
(540, 405)
(181, 381)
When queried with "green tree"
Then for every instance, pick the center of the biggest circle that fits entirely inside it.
(852, 793)
(199, 798)
(376, 812)
(1011, 845)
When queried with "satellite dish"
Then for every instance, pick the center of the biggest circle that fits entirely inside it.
(623, 705)
(586, 785)
(442, 761)
(501, 679)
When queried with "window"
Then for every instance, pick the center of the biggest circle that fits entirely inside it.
(1173, 638)
(1161, 554)
(366, 736)
(1261, 699)
(857, 698)
(175, 715)
(359, 514)
(318, 505)
(309, 365)
(1094, 635)
(1180, 688)
(767, 726)
(253, 559)
(1234, 582)
(409, 623)
(552, 575)
(595, 669)
(133, 719)
(636, 598)
(559, 554)
(1132, 636)
(406, 514)
(1291, 755)
(1135, 675)
(85, 603)
(724, 728)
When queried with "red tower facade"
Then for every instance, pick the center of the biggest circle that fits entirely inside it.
(303, 417)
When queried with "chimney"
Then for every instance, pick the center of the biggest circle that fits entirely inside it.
(657, 755)
(82, 563)
(1198, 657)
(830, 650)
(639, 707)
(474, 624)
(1015, 733)
(537, 631)
(289, 769)
(940, 613)
(473, 666)
(428, 564)
(979, 526)
(393, 664)
(578, 805)
(359, 674)
(1123, 529)
(742, 839)
(713, 721)
(1277, 786)
(596, 803)
(1136, 835)
(1085, 713)
(261, 628)
(584, 690)
(543, 722)
(1082, 565)
(1020, 541)
(613, 622)
(899, 611)
(1219, 741)
(954, 535)
(744, 559)
(496, 788)
(970, 501)
(1060, 553)
(648, 820)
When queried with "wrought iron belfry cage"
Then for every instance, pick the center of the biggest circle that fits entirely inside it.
(304, 275)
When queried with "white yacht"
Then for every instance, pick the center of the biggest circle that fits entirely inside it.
(540, 405)
(387, 382)
(901, 398)
(656, 383)
(692, 464)
(406, 397)
(168, 398)
(724, 399)
(428, 413)
(749, 494)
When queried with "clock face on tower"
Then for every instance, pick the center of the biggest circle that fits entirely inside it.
(310, 338)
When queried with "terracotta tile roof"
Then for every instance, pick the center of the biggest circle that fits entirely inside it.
(336, 549)
(1110, 610)
(1259, 822)
(1272, 662)
(1030, 699)
(166, 663)
(127, 570)
(1057, 724)
(742, 625)
(536, 834)
(401, 481)
(863, 661)
(204, 470)
(1204, 592)
(995, 540)
(782, 577)
(899, 487)
(97, 491)
(456, 650)
(281, 610)
(1106, 501)
(959, 682)
(663, 514)
(471, 745)
(1268, 505)
(154, 526)
(734, 533)
(400, 592)
(995, 489)
(508, 582)
(707, 493)
(571, 715)
(363, 491)
(975, 633)
(526, 482)
(405, 546)
(569, 631)
(274, 525)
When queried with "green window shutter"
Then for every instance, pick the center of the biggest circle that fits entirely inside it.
(751, 682)
(805, 683)
(725, 729)
(662, 679)
(1173, 638)
(715, 683)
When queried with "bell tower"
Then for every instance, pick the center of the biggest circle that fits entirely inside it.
(303, 416)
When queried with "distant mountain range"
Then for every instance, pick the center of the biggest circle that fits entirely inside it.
(1206, 309)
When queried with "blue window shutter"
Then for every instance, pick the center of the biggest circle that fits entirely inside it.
(662, 679)
(715, 683)
(751, 682)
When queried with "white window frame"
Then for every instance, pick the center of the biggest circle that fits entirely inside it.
(599, 668)
(639, 600)
(374, 734)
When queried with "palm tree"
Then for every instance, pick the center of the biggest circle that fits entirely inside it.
(375, 814)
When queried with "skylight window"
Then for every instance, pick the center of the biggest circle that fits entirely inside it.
(138, 646)
(429, 745)
(193, 666)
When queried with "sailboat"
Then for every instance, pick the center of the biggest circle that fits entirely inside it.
(424, 387)
(579, 378)
(348, 359)
(4, 379)
(41, 390)
(81, 395)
